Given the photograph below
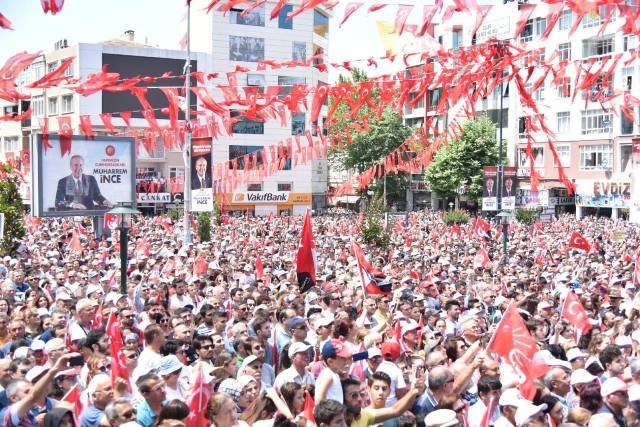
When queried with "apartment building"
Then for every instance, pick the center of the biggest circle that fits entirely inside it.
(130, 59)
(593, 145)
(241, 40)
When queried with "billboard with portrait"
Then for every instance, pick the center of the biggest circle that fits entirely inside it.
(82, 177)
(201, 178)
(490, 188)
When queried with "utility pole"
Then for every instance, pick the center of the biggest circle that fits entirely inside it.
(186, 152)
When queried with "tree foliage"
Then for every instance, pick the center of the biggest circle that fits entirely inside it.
(370, 146)
(203, 220)
(462, 161)
(12, 208)
(372, 230)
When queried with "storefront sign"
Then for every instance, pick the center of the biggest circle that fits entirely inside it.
(257, 197)
(153, 197)
(562, 201)
(603, 193)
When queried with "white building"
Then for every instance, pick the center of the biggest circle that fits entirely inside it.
(594, 146)
(234, 40)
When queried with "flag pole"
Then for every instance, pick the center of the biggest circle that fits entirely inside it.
(186, 152)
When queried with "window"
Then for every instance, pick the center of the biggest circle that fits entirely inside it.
(245, 125)
(67, 104)
(522, 127)
(538, 158)
(597, 46)
(538, 95)
(527, 32)
(37, 106)
(320, 23)
(283, 22)
(627, 77)
(591, 20)
(239, 151)
(494, 116)
(625, 158)
(626, 125)
(53, 106)
(564, 88)
(540, 25)
(285, 186)
(69, 71)
(254, 17)
(434, 98)
(175, 172)
(257, 80)
(564, 154)
(564, 51)
(318, 55)
(566, 20)
(37, 71)
(456, 40)
(600, 87)
(286, 84)
(51, 66)
(247, 49)
(564, 120)
(596, 121)
(297, 123)
(299, 52)
(629, 41)
(255, 186)
(595, 157)
(11, 143)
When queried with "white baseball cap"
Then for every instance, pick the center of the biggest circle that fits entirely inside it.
(526, 411)
(575, 353)
(612, 385)
(511, 397)
(582, 376)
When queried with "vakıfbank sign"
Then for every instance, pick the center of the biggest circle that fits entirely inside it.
(253, 197)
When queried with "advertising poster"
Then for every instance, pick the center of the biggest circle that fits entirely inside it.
(604, 193)
(634, 203)
(490, 189)
(509, 186)
(201, 180)
(82, 177)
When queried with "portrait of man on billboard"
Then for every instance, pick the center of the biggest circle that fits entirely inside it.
(488, 187)
(508, 187)
(202, 177)
(79, 191)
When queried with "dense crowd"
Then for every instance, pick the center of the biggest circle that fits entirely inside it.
(217, 333)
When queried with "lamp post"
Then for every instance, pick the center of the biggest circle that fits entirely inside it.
(505, 218)
(125, 214)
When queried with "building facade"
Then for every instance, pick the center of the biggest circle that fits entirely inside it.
(593, 145)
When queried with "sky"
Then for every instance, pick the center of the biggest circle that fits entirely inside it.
(160, 21)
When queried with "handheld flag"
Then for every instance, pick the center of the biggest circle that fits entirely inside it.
(373, 282)
(306, 261)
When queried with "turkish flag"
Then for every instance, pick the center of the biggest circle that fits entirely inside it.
(514, 343)
(307, 408)
(481, 259)
(578, 242)
(65, 133)
(118, 359)
(74, 243)
(306, 260)
(200, 265)
(111, 221)
(98, 319)
(198, 401)
(455, 229)
(259, 268)
(73, 397)
(481, 228)
(574, 312)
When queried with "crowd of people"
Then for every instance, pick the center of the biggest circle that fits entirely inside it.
(224, 320)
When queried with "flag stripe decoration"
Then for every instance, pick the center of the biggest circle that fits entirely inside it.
(306, 260)
(373, 282)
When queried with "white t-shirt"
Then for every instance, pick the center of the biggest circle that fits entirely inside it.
(176, 302)
(335, 389)
(397, 380)
(147, 361)
(77, 332)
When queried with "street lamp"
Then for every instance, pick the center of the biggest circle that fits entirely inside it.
(505, 219)
(124, 214)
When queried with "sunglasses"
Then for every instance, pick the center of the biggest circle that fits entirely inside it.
(207, 347)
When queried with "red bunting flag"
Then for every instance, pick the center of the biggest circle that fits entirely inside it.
(5, 23)
(574, 312)
(65, 133)
(577, 241)
(526, 9)
(53, 6)
(86, 127)
(306, 260)
(513, 342)
(349, 9)
(126, 117)
(401, 17)
(55, 77)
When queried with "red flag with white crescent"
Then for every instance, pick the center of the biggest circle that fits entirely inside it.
(574, 312)
(306, 260)
(201, 393)
(577, 241)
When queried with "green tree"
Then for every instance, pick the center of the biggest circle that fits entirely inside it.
(203, 220)
(462, 161)
(11, 207)
(369, 147)
(372, 229)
